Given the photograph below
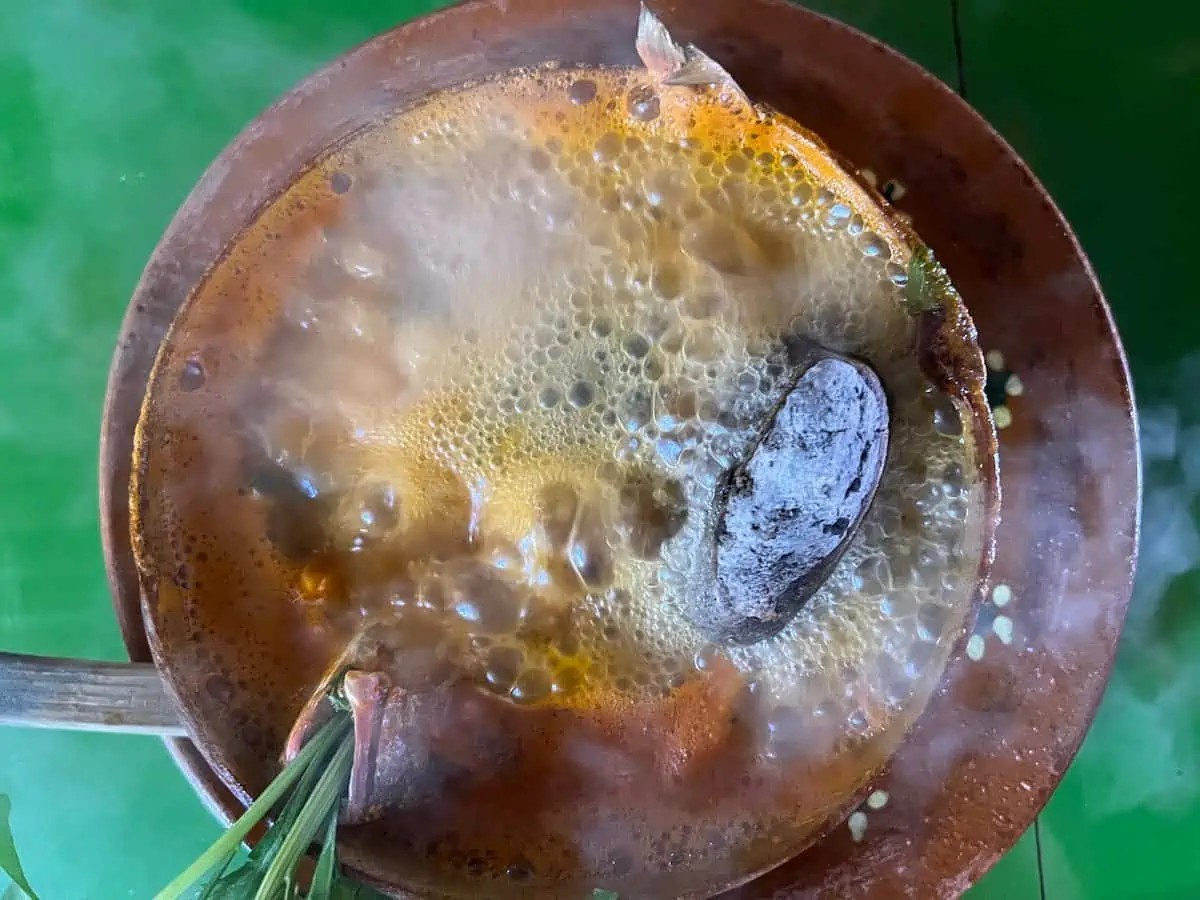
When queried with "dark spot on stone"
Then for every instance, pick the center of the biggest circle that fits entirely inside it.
(839, 527)
(340, 183)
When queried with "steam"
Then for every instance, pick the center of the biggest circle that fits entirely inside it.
(1139, 755)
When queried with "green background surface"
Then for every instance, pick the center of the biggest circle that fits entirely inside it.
(111, 109)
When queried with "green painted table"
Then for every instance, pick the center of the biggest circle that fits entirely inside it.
(111, 109)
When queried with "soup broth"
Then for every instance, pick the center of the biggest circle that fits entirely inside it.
(469, 385)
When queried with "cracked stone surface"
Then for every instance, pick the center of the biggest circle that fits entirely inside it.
(785, 514)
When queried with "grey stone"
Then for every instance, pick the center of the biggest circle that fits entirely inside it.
(785, 514)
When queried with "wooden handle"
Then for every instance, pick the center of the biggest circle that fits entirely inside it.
(44, 692)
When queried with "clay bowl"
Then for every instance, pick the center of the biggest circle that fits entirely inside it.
(1026, 678)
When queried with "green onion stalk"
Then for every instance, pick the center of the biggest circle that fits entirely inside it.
(308, 793)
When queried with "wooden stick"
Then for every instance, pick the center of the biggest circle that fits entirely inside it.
(78, 694)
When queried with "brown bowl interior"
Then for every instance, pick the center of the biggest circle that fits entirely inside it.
(1001, 731)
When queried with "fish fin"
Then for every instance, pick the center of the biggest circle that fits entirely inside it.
(702, 70)
(658, 51)
(674, 65)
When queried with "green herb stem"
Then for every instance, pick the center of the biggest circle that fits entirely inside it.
(227, 844)
(325, 797)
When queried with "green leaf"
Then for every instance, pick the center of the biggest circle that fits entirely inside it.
(322, 883)
(310, 789)
(334, 734)
(266, 849)
(211, 890)
(10, 863)
(927, 287)
(326, 797)
(234, 885)
(600, 894)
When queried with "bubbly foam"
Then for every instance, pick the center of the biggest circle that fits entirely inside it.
(637, 289)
